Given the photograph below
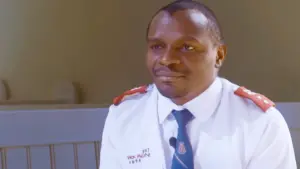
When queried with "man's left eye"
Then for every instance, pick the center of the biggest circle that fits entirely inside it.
(188, 48)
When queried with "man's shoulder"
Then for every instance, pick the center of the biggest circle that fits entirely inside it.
(252, 107)
(127, 110)
(133, 95)
(246, 98)
(130, 99)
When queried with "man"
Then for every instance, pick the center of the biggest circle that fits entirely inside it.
(190, 118)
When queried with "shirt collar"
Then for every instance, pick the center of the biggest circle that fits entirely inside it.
(202, 107)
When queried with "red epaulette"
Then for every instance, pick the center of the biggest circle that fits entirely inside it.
(260, 100)
(131, 92)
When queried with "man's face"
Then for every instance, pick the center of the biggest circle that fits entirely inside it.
(181, 53)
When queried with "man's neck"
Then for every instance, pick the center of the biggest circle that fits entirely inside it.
(191, 95)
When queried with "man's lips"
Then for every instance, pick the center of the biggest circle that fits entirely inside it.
(168, 73)
(168, 76)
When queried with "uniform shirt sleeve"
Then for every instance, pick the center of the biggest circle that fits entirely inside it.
(275, 148)
(108, 153)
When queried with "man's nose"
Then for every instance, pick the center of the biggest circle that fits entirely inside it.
(169, 58)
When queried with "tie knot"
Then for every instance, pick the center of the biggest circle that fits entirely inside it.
(182, 117)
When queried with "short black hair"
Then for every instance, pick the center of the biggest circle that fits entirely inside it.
(179, 5)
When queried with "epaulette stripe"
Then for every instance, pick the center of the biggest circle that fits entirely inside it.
(119, 99)
(260, 100)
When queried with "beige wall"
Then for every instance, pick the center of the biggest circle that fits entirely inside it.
(263, 37)
(101, 45)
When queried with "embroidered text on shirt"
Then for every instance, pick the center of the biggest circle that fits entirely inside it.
(132, 159)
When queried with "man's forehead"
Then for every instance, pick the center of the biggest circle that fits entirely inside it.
(184, 21)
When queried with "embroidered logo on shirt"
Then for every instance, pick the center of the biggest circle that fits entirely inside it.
(132, 159)
(181, 148)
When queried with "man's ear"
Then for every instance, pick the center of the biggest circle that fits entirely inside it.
(221, 54)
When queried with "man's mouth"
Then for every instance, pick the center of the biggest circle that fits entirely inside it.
(165, 76)
(169, 78)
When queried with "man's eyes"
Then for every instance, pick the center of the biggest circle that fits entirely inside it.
(183, 48)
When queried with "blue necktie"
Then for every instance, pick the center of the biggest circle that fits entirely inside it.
(183, 155)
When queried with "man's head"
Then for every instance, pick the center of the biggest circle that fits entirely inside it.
(185, 49)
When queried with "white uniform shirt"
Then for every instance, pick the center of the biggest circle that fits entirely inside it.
(228, 132)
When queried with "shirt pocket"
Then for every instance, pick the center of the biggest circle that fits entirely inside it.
(142, 151)
(217, 153)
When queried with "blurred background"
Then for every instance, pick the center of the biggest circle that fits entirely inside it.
(55, 54)
(101, 46)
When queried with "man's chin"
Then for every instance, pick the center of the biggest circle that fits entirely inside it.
(169, 91)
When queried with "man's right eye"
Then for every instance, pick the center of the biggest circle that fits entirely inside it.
(155, 47)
